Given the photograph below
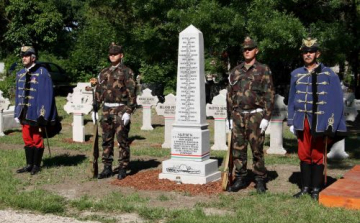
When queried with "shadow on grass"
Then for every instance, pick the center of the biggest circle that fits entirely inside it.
(138, 165)
(157, 125)
(135, 137)
(219, 159)
(295, 178)
(9, 131)
(63, 160)
(290, 145)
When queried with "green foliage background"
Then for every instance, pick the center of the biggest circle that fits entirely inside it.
(76, 33)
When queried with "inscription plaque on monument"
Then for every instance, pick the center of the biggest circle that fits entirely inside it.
(190, 143)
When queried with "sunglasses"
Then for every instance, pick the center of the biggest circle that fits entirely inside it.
(248, 49)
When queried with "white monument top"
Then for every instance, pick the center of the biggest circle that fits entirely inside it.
(167, 109)
(190, 103)
(4, 102)
(79, 102)
(218, 108)
(279, 112)
(146, 99)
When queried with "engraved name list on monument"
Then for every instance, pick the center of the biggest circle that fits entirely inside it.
(187, 75)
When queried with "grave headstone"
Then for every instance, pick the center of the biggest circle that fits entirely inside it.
(278, 115)
(8, 118)
(218, 110)
(190, 149)
(4, 104)
(2, 67)
(79, 104)
(167, 109)
(147, 100)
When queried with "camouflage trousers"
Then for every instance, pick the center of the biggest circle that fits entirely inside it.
(112, 125)
(246, 131)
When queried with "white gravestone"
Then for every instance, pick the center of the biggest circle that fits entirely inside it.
(278, 115)
(4, 104)
(167, 109)
(80, 104)
(351, 107)
(147, 100)
(8, 118)
(190, 136)
(218, 110)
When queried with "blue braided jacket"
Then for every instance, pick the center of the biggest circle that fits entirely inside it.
(34, 96)
(317, 96)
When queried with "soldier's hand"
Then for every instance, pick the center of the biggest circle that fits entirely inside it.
(93, 81)
(94, 116)
(263, 125)
(126, 118)
(17, 120)
(292, 130)
(229, 124)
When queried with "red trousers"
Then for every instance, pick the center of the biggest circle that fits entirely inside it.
(32, 136)
(310, 149)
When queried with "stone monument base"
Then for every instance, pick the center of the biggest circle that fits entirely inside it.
(190, 172)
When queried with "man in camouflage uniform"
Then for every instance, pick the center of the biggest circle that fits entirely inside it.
(250, 100)
(315, 115)
(116, 89)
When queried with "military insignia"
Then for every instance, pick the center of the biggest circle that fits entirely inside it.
(309, 42)
(331, 121)
(33, 80)
(42, 111)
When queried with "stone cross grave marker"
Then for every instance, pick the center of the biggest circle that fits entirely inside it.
(218, 110)
(4, 104)
(80, 104)
(190, 136)
(167, 109)
(147, 100)
(278, 115)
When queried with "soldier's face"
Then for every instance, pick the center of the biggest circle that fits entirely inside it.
(115, 58)
(310, 57)
(250, 54)
(27, 61)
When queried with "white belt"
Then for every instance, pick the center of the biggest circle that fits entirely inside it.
(112, 105)
(253, 111)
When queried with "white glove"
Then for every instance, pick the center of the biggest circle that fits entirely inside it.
(227, 124)
(263, 125)
(17, 120)
(126, 118)
(93, 116)
(292, 130)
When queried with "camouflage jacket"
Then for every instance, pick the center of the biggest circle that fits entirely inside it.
(251, 89)
(117, 85)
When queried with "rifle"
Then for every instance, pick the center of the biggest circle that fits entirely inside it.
(94, 167)
(227, 176)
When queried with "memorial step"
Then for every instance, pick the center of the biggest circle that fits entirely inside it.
(344, 192)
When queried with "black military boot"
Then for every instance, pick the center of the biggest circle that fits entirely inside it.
(106, 173)
(305, 169)
(122, 173)
(239, 183)
(29, 154)
(38, 154)
(317, 180)
(260, 184)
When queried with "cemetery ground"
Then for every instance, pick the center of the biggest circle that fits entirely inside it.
(64, 188)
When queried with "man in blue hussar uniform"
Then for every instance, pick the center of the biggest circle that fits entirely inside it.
(315, 115)
(34, 107)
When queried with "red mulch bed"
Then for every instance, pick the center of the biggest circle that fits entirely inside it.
(149, 180)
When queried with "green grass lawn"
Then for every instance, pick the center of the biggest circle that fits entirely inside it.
(29, 194)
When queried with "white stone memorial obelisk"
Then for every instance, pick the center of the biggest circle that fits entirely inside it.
(218, 110)
(278, 115)
(79, 103)
(147, 100)
(4, 104)
(190, 143)
(167, 109)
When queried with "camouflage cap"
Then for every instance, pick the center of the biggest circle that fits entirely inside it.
(115, 49)
(27, 51)
(309, 44)
(249, 43)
